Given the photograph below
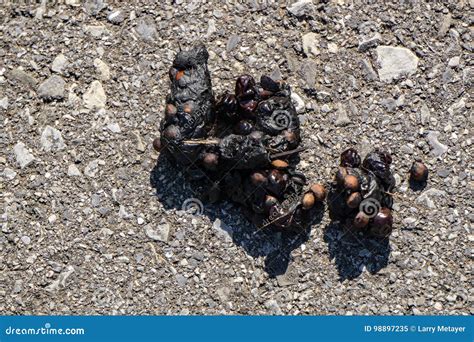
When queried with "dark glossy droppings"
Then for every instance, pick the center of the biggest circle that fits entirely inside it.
(243, 148)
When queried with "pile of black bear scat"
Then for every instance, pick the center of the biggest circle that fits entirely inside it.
(244, 148)
(360, 196)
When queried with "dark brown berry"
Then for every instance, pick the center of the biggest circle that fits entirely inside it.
(276, 182)
(188, 107)
(179, 74)
(170, 111)
(361, 220)
(308, 200)
(351, 183)
(244, 87)
(210, 161)
(381, 225)
(350, 158)
(279, 164)
(354, 200)
(319, 192)
(258, 178)
(270, 201)
(243, 127)
(157, 144)
(171, 132)
(419, 172)
(340, 176)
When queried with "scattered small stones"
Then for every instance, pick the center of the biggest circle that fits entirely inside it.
(22, 155)
(395, 62)
(51, 139)
(52, 88)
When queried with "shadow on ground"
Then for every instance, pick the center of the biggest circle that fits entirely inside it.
(352, 253)
(172, 190)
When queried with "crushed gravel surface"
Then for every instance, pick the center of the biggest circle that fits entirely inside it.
(92, 219)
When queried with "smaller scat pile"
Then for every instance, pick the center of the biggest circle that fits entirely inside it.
(360, 196)
(244, 148)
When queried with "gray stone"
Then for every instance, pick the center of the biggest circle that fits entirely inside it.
(232, 42)
(273, 306)
(426, 197)
(51, 139)
(102, 69)
(114, 127)
(59, 64)
(146, 29)
(454, 62)
(96, 31)
(445, 25)
(368, 70)
(443, 173)
(8, 174)
(17, 286)
(22, 155)
(424, 114)
(116, 17)
(222, 230)
(26, 239)
(158, 233)
(52, 88)
(311, 44)
(371, 42)
(437, 148)
(4, 103)
(95, 96)
(73, 171)
(302, 8)
(308, 72)
(92, 168)
(21, 77)
(94, 7)
(60, 282)
(181, 280)
(298, 102)
(395, 62)
(342, 117)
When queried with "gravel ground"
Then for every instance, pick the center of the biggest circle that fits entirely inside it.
(92, 224)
